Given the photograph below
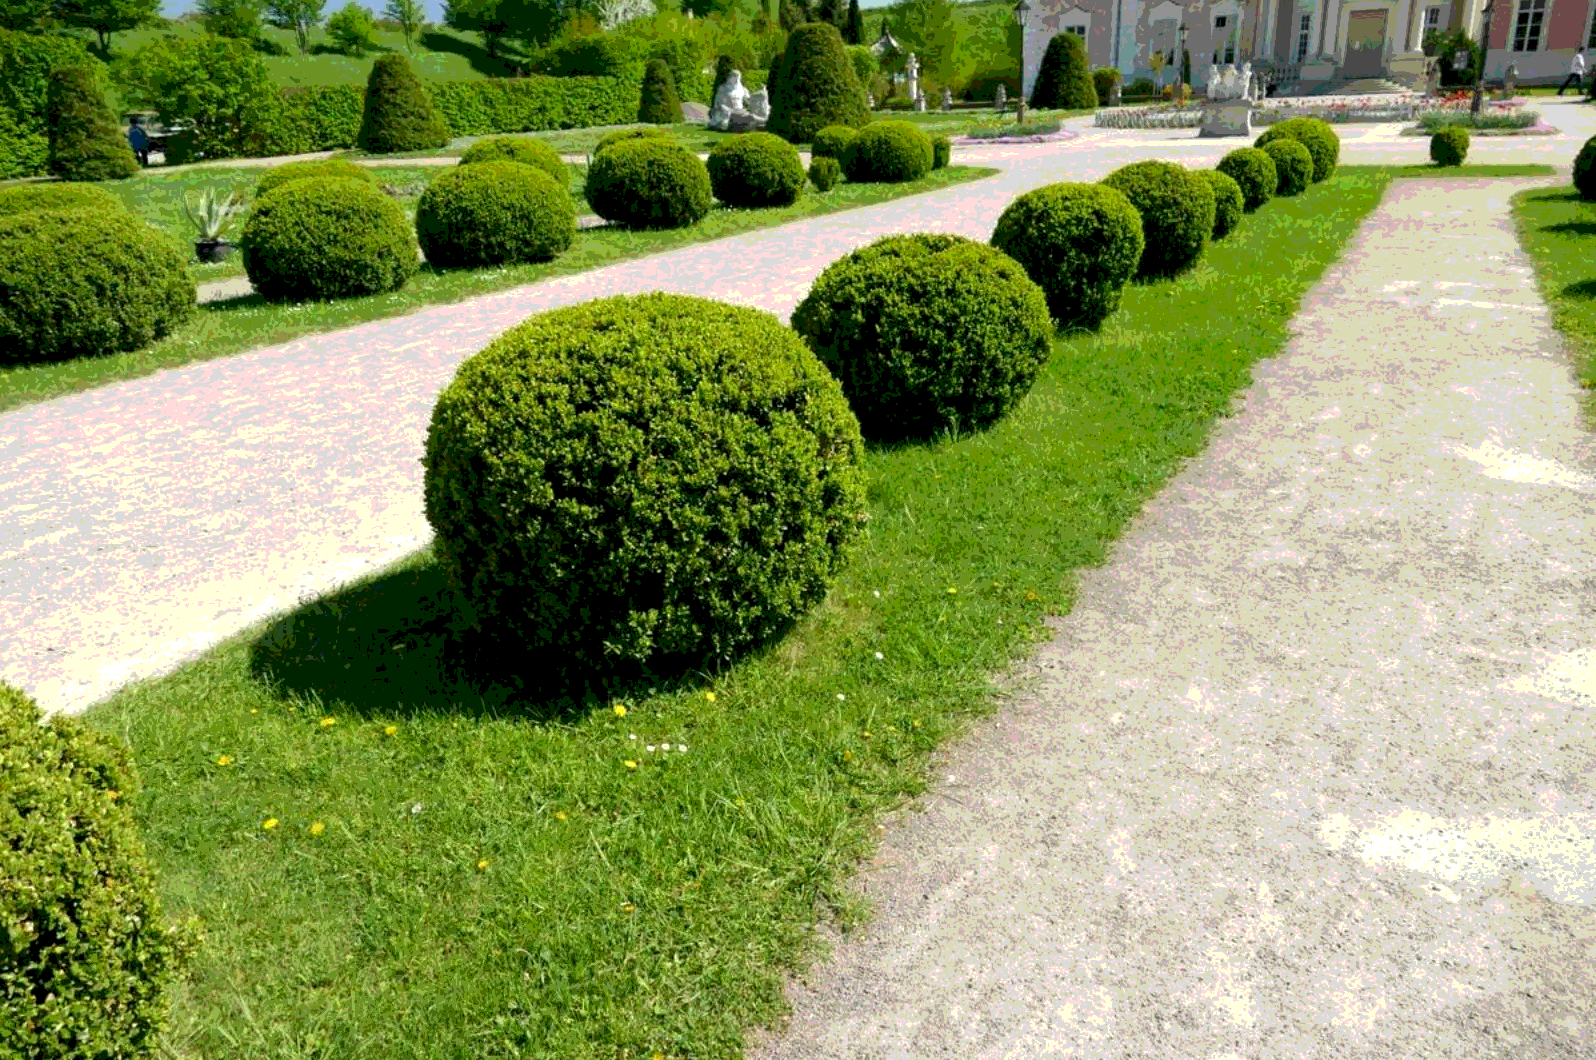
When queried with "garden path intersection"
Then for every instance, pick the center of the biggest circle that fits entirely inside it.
(1304, 773)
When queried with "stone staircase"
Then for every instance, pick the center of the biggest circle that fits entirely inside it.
(1361, 86)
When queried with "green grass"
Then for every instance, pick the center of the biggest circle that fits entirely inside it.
(1432, 170)
(1558, 231)
(493, 879)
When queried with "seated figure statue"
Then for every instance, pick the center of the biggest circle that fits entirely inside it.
(759, 105)
(731, 98)
(1213, 81)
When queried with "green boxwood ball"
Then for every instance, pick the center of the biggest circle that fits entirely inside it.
(326, 237)
(941, 151)
(1293, 163)
(1323, 145)
(887, 152)
(927, 332)
(1081, 243)
(649, 183)
(642, 478)
(84, 282)
(621, 136)
(832, 141)
(26, 198)
(825, 173)
(1449, 146)
(1585, 170)
(1254, 171)
(523, 149)
(494, 213)
(277, 176)
(754, 170)
(1177, 208)
(1227, 201)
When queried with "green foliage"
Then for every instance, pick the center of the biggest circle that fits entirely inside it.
(983, 85)
(502, 105)
(1443, 46)
(941, 152)
(409, 15)
(724, 65)
(26, 198)
(1449, 146)
(816, 86)
(84, 282)
(755, 170)
(1323, 145)
(1081, 243)
(27, 60)
(106, 17)
(927, 332)
(1177, 208)
(217, 85)
(930, 29)
(642, 480)
(88, 961)
(609, 55)
(352, 30)
(297, 15)
(685, 60)
(326, 237)
(648, 183)
(887, 152)
(1254, 171)
(1228, 201)
(239, 19)
(621, 136)
(24, 15)
(399, 116)
(85, 143)
(524, 149)
(341, 168)
(1293, 165)
(865, 64)
(494, 213)
(855, 32)
(824, 172)
(658, 102)
(478, 16)
(1064, 80)
(832, 141)
(1585, 170)
(1104, 78)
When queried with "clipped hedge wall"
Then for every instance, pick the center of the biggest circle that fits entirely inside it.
(26, 60)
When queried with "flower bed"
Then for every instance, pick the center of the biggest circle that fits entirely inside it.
(1506, 116)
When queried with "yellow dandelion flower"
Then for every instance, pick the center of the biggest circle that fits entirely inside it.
(482, 865)
(269, 823)
(389, 730)
(252, 710)
(113, 795)
(629, 908)
(916, 723)
(318, 828)
(559, 815)
(620, 710)
(740, 802)
(867, 734)
(710, 696)
(630, 764)
(951, 589)
(847, 756)
(328, 722)
(224, 760)
(659, 1056)
(1030, 596)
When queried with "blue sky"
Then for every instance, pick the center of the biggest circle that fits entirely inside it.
(173, 8)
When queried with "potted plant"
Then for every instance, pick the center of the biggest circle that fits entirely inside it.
(211, 219)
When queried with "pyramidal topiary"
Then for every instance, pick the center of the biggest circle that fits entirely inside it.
(1064, 80)
(659, 104)
(399, 115)
(85, 143)
(817, 86)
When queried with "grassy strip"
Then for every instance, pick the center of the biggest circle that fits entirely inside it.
(227, 327)
(1432, 170)
(494, 878)
(1558, 231)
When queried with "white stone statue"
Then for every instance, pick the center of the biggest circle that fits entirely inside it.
(731, 98)
(913, 72)
(947, 99)
(1244, 82)
(1213, 81)
(759, 105)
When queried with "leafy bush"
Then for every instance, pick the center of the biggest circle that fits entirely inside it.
(89, 962)
(1585, 170)
(887, 152)
(1254, 171)
(326, 237)
(26, 198)
(1293, 164)
(601, 55)
(523, 149)
(941, 152)
(494, 213)
(983, 86)
(1443, 46)
(1449, 146)
(685, 61)
(1142, 86)
(1177, 208)
(816, 86)
(864, 62)
(515, 105)
(832, 141)
(85, 142)
(277, 176)
(87, 281)
(621, 136)
(824, 172)
(755, 170)
(1323, 145)
(398, 115)
(1081, 243)
(648, 183)
(216, 85)
(1104, 78)
(642, 480)
(927, 332)
(658, 102)
(28, 60)
(1064, 80)
(1227, 201)
(352, 30)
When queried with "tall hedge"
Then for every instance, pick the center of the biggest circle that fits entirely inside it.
(658, 103)
(399, 115)
(1064, 80)
(85, 142)
(26, 60)
(817, 86)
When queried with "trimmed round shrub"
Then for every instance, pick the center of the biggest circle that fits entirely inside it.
(1585, 169)
(927, 332)
(1227, 201)
(642, 480)
(326, 237)
(84, 282)
(1104, 78)
(26, 198)
(494, 213)
(1064, 80)
(84, 141)
(277, 176)
(1323, 145)
(621, 136)
(755, 170)
(398, 115)
(1293, 163)
(825, 172)
(658, 103)
(649, 183)
(832, 141)
(1081, 243)
(1254, 171)
(1177, 208)
(523, 149)
(887, 152)
(1449, 146)
(88, 960)
(814, 86)
(941, 152)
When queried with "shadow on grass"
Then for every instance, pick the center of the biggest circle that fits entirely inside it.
(475, 54)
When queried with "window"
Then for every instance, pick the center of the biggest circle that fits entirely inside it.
(1527, 27)
(1225, 52)
(1432, 19)
(1590, 41)
(1302, 37)
(1079, 31)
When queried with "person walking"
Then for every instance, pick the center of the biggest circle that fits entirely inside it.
(139, 141)
(1576, 72)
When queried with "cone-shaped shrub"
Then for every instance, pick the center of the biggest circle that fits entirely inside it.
(817, 86)
(1064, 80)
(1227, 201)
(658, 103)
(85, 143)
(399, 115)
(26, 198)
(1293, 164)
(649, 183)
(755, 170)
(1449, 146)
(641, 480)
(1081, 243)
(326, 237)
(526, 150)
(1585, 169)
(1254, 171)
(1323, 145)
(277, 176)
(1177, 208)
(494, 213)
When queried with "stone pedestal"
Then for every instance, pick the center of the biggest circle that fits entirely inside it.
(742, 121)
(1226, 117)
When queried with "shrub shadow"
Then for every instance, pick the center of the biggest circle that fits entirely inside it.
(1574, 228)
(475, 54)
(1584, 289)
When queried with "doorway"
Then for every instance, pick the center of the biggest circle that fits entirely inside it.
(1365, 55)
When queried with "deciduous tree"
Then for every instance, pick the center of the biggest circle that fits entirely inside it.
(352, 30)
(239, 19)
(22, 14)
(410, 15)
(106, 17)
(297, 15)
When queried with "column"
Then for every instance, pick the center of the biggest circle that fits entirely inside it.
(1332, 27)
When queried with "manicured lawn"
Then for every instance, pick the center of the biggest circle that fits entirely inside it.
(1558, 231)
(1431, 170)
(498, 878)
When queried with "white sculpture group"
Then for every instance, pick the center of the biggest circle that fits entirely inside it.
(736, 109)
(1227, 82)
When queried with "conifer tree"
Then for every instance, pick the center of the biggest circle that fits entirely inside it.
(85, 142)
(399, 115)
(854, 34)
